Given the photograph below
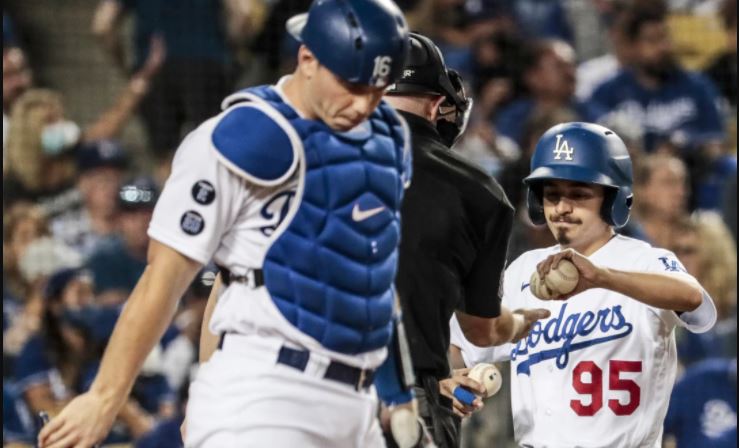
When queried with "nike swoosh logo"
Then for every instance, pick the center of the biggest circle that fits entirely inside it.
(360, 215)
(524, 285)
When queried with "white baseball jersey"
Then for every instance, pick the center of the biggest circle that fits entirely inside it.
(206, 211)
(211, 208)
(599, 371)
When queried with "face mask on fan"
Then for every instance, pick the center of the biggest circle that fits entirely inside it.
(57, 137)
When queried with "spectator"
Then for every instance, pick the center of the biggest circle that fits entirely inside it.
(120, 260)
(661, 197)
(22, 302)
(496, 55)
(709, 180)
(16, 80)
(702, 410)
(596, 71)
(101, 166)
(61, 361)
(51, 365)
(456, 24)
(676, 108)
(41, 140)
(22, 224)
(495, 63)
(589, 21)
(723, 69)
(40, 260)
(540, 19)
(549, 78)
(40, 166)
(705, 247)
(199, 69)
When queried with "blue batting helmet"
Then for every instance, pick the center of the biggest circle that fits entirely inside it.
(360, 41)
(583, 152)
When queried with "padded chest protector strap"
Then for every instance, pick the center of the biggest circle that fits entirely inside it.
(255, 141)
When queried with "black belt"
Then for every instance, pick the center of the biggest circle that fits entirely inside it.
(253, 277)
(336, 371)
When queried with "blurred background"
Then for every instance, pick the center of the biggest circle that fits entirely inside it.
(97, 96)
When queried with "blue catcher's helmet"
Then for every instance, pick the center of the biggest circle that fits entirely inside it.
(360, 41)
(583, 152)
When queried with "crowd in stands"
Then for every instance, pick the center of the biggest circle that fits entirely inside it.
(76, 206)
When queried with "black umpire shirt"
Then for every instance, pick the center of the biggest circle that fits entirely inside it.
(456, 221)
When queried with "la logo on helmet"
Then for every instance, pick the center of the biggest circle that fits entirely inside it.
(562, 147)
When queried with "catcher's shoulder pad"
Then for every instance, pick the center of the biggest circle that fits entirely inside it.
(257, 143)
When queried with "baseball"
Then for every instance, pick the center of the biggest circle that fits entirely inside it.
(539, 287)
(563, 279)
(489, 376)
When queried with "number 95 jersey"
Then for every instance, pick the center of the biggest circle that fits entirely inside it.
(599, 371)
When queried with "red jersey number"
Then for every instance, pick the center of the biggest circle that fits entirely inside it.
(592, 385)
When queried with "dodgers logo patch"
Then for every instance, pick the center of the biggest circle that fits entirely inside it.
(672, 265)
(570, 332)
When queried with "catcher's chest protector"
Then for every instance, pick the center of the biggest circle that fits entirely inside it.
(332, 262)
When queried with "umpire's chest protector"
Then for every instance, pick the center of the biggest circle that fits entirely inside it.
(330, 265)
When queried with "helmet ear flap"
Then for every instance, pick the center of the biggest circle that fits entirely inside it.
(535, 205)
(608, 209)
(617, 207)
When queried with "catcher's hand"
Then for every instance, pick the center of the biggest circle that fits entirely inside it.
(84, 422)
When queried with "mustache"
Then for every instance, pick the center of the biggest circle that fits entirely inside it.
(564, 219)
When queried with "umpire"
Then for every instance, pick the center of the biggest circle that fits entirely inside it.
(456, 221)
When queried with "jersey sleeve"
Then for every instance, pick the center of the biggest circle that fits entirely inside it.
(484, 282)
(200, 200)
(701, 319)
(471, 353)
